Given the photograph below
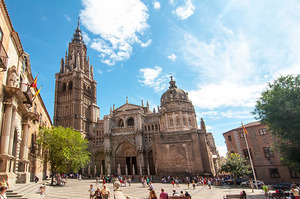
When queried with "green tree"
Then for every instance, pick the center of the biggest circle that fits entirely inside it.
(67, 151)
(236, 165)
(279, 108)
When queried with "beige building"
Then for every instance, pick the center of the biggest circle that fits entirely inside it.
(131, 139)
(266, 161)
(20, 114)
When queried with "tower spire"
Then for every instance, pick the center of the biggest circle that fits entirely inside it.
(172, 83)
(77, 37)
(78, 25)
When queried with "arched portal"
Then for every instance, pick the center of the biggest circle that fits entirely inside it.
(126, 155)
(99, 161)
(151, 163)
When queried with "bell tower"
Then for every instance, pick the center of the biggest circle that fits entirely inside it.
(75, 102)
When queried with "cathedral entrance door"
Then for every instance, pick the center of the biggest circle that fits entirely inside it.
(126, 156)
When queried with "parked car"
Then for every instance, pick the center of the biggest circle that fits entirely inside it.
(284, 186)
(247, 183)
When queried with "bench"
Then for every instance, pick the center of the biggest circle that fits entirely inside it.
(278, 195)
(180, 197)
(235, 196)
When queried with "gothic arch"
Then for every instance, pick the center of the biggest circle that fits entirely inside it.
(64, 87)
(130, 121)
(70, 85)
(120, 123)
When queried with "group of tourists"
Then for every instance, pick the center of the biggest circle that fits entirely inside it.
(99, 193)
(3, 187)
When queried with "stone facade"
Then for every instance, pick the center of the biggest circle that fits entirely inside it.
(20, 114)
(131, 139)
(266, 161)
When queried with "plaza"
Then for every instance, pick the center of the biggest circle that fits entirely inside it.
(79, 189)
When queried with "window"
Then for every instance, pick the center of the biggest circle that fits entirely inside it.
(190, 122)
(242, 135)
(268, 152)
(274, 173)
(229, 138)
(184, 121)
(246, 154)
(177, 122)
(70, 86)
(294, 174)
(121, 123)
(262, 131)
(171, 122)
(130, 122)
(64, 87)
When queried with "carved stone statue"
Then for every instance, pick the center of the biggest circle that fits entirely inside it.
(13, 79)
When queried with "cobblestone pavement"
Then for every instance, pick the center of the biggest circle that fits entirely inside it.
(76, 189)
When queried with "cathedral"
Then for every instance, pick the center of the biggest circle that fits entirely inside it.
(131, 139)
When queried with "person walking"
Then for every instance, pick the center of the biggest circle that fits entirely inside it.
(92, 191)
(3, 193)
(98, 193)
(105, 192)
(252, 185)
(295, 192)
(4, 183)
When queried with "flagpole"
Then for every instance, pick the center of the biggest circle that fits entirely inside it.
(251, 163)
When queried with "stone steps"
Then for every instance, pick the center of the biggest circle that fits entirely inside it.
(27, 191)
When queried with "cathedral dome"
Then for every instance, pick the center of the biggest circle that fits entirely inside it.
(174, 94)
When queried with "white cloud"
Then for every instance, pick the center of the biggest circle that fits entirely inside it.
(153, 77)
(67, 18)
(172, 57)
(184, 11)
(99, 72)
(237, 114)
(156, 5)
(146, 44)
(86, 38)
(225, 94)
(222, 150)
(118, 23)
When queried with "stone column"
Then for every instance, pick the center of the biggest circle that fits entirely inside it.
(82, 171)
(95, 171)
(133, 170)
(141, 171)
(89, 170)
(101, 171)
(6, 129)
(12, 132)
(119, 169)
(108, 169)
(126, 170)
(25, 139)
(148, 169)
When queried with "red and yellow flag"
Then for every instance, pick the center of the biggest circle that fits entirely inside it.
(36, 94)
(33, 84)
(244, 128)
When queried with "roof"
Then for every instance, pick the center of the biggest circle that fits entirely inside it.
(251, 124)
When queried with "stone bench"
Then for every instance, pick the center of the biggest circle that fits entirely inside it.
(279, 195)
(234, 196)
(180, 197)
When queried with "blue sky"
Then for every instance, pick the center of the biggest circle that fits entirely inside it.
(222, 52)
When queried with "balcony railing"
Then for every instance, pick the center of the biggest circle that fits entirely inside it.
(3, 58)
(28, 96)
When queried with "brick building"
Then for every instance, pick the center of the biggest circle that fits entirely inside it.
(266, 161)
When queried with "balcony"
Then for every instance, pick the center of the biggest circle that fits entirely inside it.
(3, 58)
(28, 95)
(123, 130)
